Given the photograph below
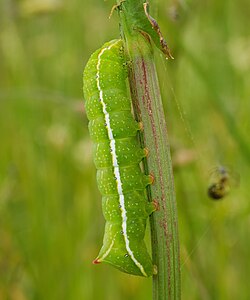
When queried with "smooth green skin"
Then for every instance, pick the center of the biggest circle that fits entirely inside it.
(127, 150)
(129, 154)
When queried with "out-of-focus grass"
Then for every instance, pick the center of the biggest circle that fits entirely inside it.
(51, 224)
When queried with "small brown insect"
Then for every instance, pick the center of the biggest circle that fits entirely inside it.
(222, 180)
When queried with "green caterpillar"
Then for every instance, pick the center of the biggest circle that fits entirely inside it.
(117, 155)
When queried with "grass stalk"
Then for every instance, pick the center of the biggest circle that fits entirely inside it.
(148, 109)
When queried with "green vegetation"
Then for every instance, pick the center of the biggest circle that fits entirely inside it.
(51, 224)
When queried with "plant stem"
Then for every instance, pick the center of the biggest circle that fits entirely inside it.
(148, 108)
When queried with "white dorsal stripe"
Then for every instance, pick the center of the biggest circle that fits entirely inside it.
(115, 163)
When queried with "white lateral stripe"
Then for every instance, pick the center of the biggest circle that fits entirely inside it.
(115, 165)
(107, 252)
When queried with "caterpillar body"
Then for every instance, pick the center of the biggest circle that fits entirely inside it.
(117, 155)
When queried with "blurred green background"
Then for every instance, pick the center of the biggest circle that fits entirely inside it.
(51, 225)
